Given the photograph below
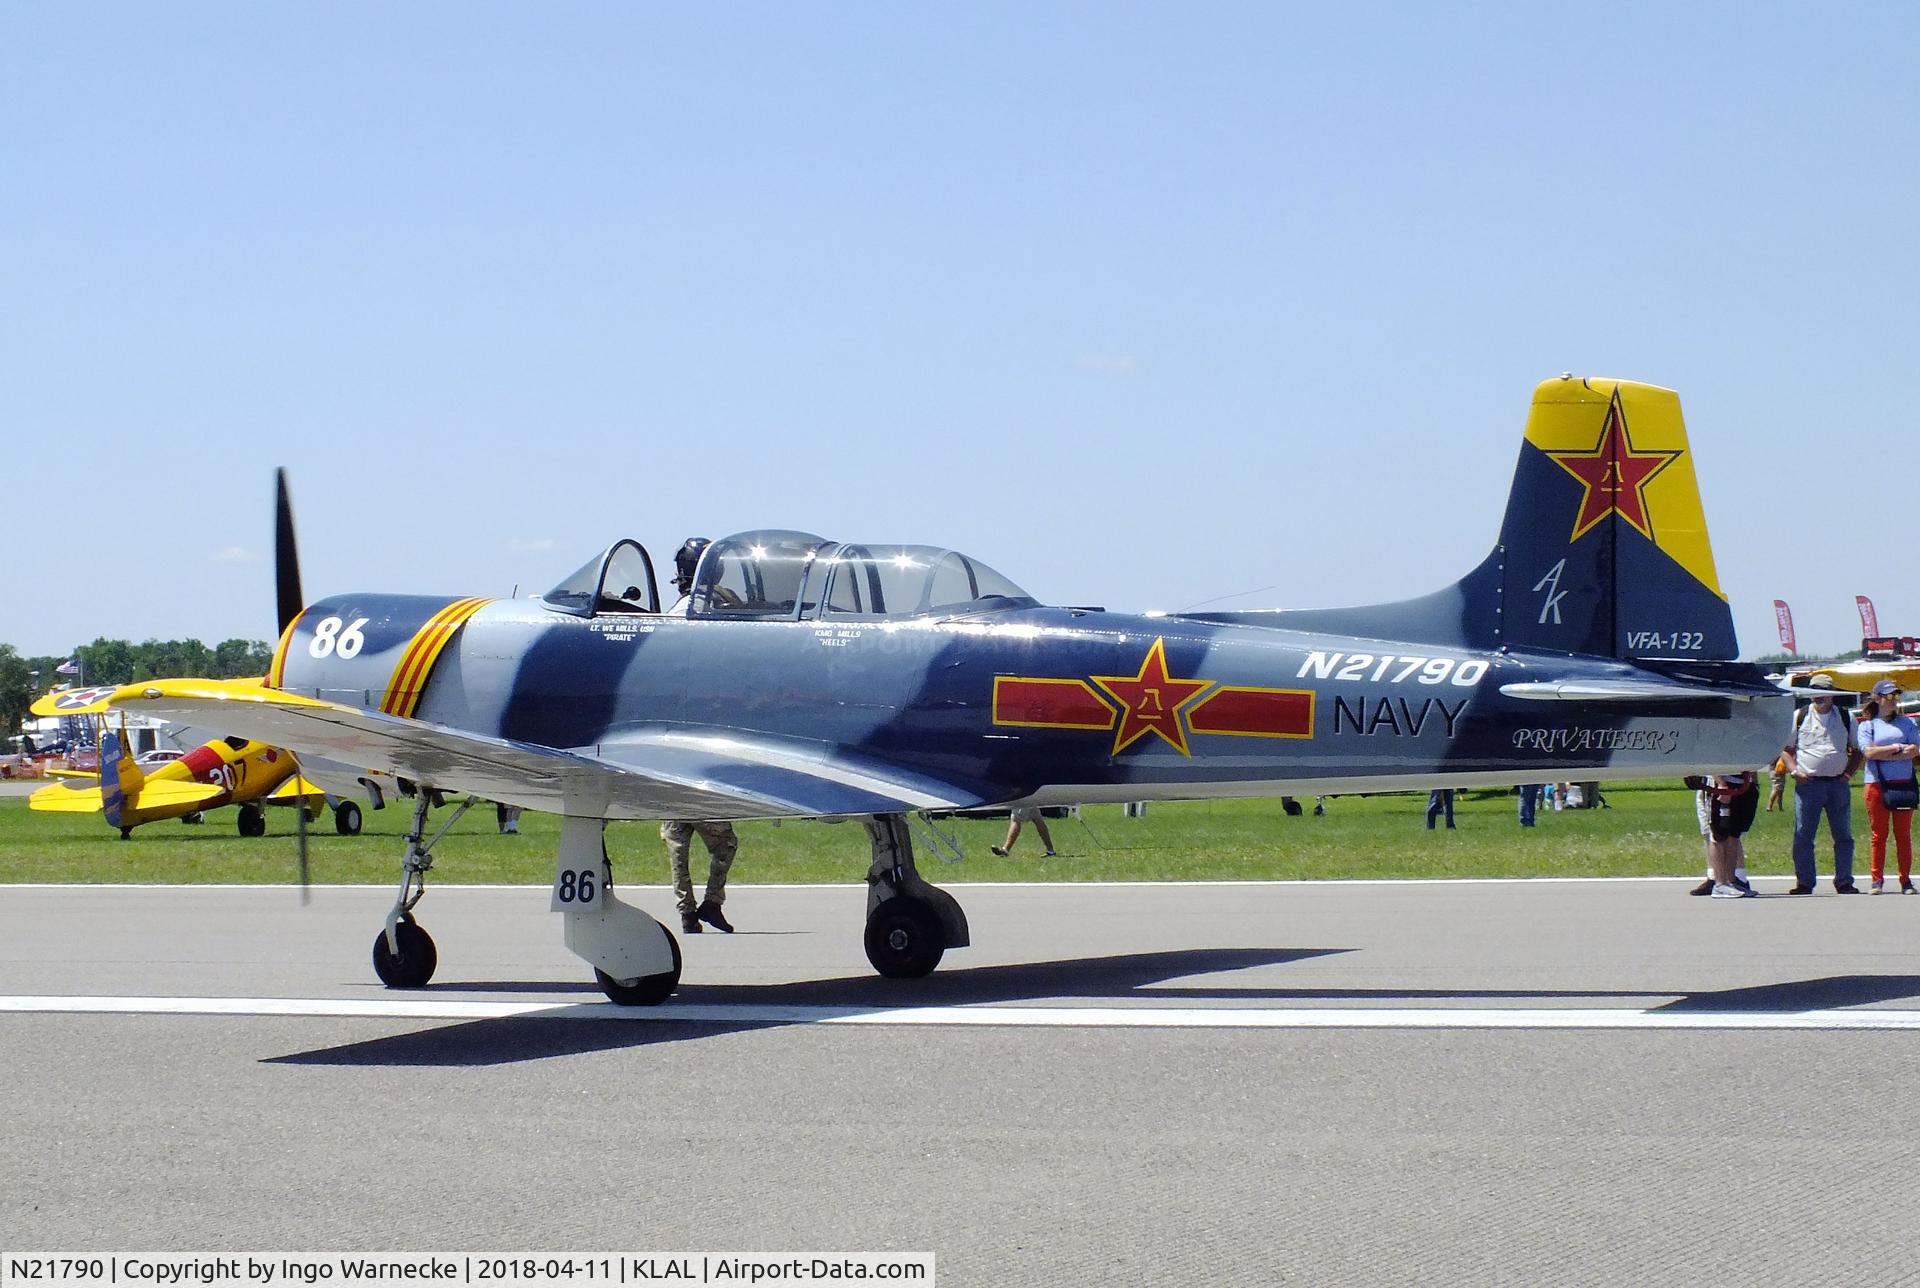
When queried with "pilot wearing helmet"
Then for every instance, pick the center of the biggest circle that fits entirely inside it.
(719, 838)
(685, 560)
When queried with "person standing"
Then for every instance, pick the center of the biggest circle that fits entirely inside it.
(1439, 800)
(1890, 741)
(721, 845)
(1529, 803)
(1822, 759)
(1732, 801)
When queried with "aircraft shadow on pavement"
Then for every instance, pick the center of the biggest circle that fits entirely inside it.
(512, 1039)
(1830, 993)
(1133, 977)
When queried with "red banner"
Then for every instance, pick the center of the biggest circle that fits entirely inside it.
(1784, 615)
(1869, 620)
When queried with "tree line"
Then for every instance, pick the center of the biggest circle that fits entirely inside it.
(108, 661)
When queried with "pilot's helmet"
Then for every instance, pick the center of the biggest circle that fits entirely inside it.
(686, 559)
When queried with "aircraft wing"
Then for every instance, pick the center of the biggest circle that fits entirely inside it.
(664, 773)
(64, 798)
(76, 702)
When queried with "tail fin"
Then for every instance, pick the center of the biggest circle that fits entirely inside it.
(120, 777)
(1603, 551)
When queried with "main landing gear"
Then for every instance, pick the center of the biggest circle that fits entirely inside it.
(634, 958)
(910, 923)
(403, 953)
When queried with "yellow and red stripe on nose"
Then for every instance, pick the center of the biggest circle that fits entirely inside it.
(416, 664)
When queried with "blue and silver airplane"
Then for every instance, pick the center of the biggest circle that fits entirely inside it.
(815, 678)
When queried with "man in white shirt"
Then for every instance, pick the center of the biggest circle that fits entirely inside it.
(1820, 757)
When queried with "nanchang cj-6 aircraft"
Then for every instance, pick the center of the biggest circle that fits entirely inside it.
(811, 678)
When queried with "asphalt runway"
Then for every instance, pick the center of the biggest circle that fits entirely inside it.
(1567, 1082)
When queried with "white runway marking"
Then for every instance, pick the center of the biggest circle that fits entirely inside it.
(955, 881)
(1137, 1017)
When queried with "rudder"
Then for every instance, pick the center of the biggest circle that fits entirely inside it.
(120, 777)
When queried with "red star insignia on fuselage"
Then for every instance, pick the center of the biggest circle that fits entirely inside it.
(1150, 702)
(1614, 475)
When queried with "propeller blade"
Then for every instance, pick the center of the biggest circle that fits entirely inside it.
(300, 808)
(286, 558)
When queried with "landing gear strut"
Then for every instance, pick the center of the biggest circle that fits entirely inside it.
(910, 923)
(403, 953)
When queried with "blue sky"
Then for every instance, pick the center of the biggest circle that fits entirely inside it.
(1146, 306)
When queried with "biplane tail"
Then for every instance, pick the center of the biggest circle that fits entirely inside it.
(1603, 550)
(120, 777)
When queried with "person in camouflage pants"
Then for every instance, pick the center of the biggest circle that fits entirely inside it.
(721, 846)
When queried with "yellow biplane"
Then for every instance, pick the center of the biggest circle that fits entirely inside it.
(226, 771)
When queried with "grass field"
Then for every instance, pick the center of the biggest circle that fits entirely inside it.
(1648, 831)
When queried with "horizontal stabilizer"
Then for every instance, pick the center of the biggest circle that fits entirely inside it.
(66, 799)
(294, 791)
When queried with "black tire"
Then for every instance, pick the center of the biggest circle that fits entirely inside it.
(346, 819)
(905, 939)
(252, 821)
(415, 964)
(648, 990)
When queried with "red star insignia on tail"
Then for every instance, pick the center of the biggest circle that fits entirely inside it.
(1150, 702)
(1614, 475)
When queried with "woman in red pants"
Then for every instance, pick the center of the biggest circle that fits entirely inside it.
(1890, 741)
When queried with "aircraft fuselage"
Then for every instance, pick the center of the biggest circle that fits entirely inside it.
(1048, 705)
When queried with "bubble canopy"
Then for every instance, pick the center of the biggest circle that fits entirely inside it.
(776, 575)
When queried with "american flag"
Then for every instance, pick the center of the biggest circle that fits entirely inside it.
(69, 667)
